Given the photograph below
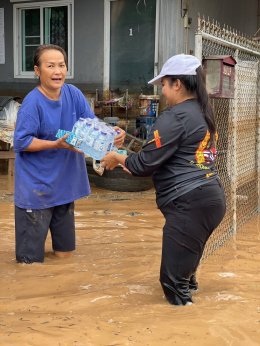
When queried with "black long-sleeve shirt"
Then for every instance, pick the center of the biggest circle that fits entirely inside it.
(176, 153)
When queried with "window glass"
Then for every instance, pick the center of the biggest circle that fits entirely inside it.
(56, 26)
(30, 36)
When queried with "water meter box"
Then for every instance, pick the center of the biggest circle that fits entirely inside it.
(220, 75)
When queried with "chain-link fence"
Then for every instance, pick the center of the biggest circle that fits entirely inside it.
(237, 125)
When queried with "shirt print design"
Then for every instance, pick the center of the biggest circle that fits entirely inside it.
(157, 139)
(204, 153)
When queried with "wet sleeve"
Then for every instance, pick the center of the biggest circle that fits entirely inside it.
(161, 144)
(26, 129)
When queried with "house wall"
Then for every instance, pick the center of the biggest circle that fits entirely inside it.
(89, 43)
(174, 38)
(6, 70)
(88, 49)
(240, 15)
(89, 36)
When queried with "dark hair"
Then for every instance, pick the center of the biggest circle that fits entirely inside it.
(196, 84)
(41, 49)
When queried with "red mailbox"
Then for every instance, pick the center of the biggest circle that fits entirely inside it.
(220, 75)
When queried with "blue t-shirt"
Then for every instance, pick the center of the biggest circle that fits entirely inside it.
(47, 178)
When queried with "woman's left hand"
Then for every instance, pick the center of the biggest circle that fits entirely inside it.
(110, 161)
(119, 139)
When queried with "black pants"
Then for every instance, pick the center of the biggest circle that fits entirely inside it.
(31, 228)
(190, 220)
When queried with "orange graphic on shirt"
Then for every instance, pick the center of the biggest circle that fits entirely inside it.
(157, 139)
(204, 153)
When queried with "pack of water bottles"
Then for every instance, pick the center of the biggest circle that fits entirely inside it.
(94, 137)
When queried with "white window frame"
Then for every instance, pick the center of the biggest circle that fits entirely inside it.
(18, 73)
(106, 66)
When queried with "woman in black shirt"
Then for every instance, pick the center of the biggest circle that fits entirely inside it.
(180, 155)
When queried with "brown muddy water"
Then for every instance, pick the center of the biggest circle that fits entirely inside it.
(108, 293)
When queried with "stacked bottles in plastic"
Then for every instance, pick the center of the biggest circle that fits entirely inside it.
(94, 137)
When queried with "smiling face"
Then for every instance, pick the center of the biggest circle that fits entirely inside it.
(169, 91)
(51, 71)
(175, 91)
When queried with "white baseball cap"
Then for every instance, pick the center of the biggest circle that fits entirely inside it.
(180, 64)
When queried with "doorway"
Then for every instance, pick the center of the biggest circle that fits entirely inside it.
(130, 55)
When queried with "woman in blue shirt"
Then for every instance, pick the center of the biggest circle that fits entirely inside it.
(50, 174)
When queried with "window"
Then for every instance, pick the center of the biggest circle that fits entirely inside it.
(38, 23)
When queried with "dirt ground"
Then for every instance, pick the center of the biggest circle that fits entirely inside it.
(108, 293)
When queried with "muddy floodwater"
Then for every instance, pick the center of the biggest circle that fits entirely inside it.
(108, 293)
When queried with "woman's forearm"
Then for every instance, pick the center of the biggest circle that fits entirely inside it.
(41, 144)
(120, 158)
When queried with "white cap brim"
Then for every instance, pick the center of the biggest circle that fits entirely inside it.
(177, 65)
(156, 80)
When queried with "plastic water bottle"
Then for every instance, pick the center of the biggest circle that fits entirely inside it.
(109, 138)
(94, 137)
(82, 128)
(78, 128)
(112, 135)
(101, 144)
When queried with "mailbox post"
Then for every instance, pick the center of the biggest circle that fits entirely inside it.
(220, 75)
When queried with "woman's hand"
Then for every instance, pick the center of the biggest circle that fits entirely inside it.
(62, 144)
(119, 139)
(110, 161)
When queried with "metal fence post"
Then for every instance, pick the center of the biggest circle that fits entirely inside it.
(258, 138)
(234, 147)
(198, 45)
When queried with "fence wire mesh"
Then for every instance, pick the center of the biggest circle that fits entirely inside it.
(238, 128)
